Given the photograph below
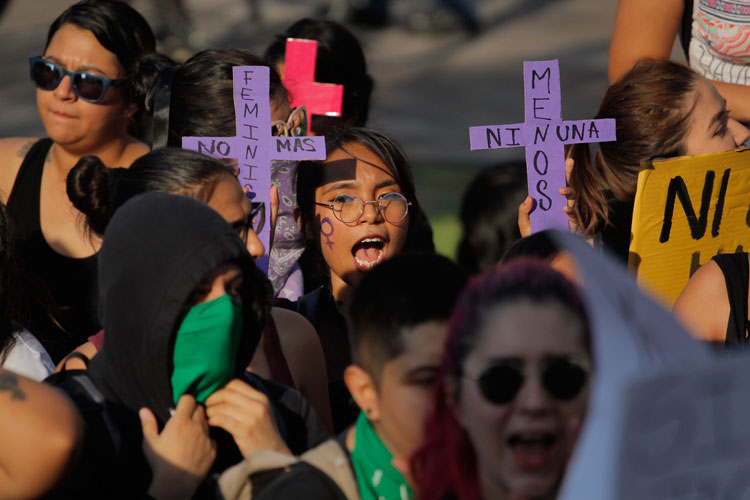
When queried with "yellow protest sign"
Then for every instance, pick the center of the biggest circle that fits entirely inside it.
(687, 210)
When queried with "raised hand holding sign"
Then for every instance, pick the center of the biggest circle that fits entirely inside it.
(254, 147)
(544, 135)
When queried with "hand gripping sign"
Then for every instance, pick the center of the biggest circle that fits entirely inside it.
(544, 135)
(254, 147)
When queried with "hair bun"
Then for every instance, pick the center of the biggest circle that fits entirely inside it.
(91, 187)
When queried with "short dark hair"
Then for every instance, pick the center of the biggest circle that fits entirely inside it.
(402, 292)
(489, 215)
(124, 32)
(202, 94)
(339, 60)
(540, 245)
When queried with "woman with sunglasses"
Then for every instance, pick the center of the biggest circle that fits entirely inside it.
(91, 79)
(512, 390)
(356, 209)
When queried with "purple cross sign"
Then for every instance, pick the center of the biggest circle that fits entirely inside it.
(544, 135)
(254, 147)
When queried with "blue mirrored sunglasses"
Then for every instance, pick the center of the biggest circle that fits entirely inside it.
(87, 86)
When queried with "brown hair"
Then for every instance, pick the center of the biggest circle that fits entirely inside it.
(651, 105)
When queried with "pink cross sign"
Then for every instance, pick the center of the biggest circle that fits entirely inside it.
(299, 78)
(254, 147)
(544, 135)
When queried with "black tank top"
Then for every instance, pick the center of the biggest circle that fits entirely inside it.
(72, 283)
(735, 268)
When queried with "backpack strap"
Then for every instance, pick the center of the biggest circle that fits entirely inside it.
(89, 400)
(333, 459)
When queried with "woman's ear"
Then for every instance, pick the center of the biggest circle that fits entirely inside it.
(364, 391)
(131, 108)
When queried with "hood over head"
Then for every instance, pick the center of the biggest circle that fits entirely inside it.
(156, 250)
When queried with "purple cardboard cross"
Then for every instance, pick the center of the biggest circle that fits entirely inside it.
(544, 135)
(254, 147)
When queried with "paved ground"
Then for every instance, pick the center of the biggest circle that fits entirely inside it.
(429, 89)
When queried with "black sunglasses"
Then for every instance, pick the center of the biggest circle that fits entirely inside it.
(254, 221)
(87, 86)
(563, 378)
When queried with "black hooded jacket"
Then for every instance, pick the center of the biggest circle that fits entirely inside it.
(157, 248)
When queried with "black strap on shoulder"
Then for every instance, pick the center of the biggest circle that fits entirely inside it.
(686, 28)
(29, 177)
(74, 355)
(735, 268)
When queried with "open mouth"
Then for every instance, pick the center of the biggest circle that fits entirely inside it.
(368, 252)
(532, 451)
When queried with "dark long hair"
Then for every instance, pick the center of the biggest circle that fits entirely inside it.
(97, 191)
(445, 464)
(124, 32)
(340, 60)
(202, 94)
(651, 105)
(20, 290)
(310, 176)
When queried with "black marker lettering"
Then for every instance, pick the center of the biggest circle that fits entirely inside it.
(541, 187)
(678, 189)
(536, 162)
(593, 130)
(575, 131)
(491, 136)
(538, 133)
(249, 111)
(718, 212)
(202, 147)
(567, 132)
(250, 131)
(535, 76)
(250, 169)
(513, 137)
(225, 146)
(539, 108)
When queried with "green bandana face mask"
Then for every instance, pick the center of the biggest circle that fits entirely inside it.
(376, 477)
(205, 349)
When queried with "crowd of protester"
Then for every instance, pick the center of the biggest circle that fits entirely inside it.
(144, 354)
